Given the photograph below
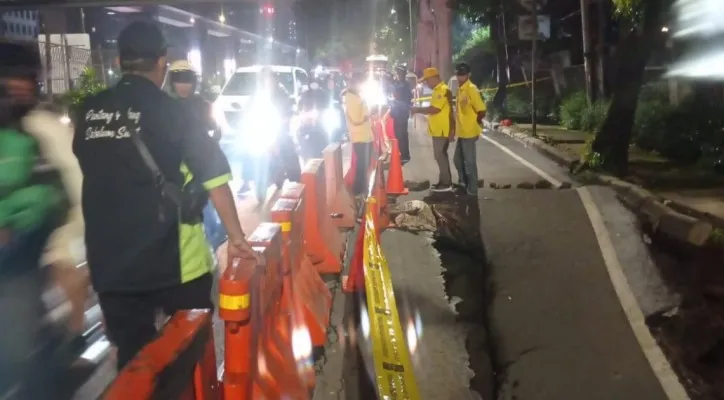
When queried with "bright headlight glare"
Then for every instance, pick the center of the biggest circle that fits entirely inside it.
(262, 127)
(330, 120)
(373, 94)
(218, 114)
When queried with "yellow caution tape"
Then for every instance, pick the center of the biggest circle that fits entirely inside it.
(394, 373)
(495, 89)
(234, 303)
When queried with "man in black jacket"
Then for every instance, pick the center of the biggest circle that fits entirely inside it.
(400, 111)
(146, 251)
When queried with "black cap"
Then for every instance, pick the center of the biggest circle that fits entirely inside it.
(141, 40)
(18, 60)
(462, 69)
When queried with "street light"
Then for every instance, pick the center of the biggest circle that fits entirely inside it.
(222, 18)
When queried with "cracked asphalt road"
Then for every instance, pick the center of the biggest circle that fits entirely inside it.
(559, 329)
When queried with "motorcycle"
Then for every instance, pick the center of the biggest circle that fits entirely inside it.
(315, 128)
(259, 137)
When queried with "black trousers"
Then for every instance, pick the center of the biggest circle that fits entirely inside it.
(402, 135)
(131, 317)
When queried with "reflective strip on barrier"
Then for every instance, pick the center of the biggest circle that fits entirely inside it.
(229, 302)
(286, 226)
(394, 374)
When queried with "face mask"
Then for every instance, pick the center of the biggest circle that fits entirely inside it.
(314, 86)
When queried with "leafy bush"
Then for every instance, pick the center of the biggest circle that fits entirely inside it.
(593, 116)
(88, 84)
(650, 122)
(572, 109)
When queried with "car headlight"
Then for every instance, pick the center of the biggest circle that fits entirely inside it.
(261, 128)
(331, 120)
(373, 94)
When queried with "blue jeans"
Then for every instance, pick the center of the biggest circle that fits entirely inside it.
(466, 163)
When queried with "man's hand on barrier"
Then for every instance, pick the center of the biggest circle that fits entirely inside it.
(240, 248)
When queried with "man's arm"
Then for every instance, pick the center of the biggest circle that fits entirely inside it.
(208, 164)
(449, 99)
(478, 104)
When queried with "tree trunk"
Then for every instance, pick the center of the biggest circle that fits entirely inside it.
(497, 36)
(634, 50)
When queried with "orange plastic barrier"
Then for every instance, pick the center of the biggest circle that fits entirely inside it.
(235, 311)
(179, 364)
(395, 181)
(261, 361)
(279, 349)
(305, 292)
(324, 243)
(340, 201)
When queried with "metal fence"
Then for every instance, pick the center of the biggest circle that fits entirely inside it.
(64, 64)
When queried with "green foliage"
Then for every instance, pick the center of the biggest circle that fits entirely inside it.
(593, 116)
(479, 41)
(591, 159)
(649, 121)
(571, 110)
(88, 84)
(692, 132)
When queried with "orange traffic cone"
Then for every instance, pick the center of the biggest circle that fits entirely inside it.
(355, 281)
(395, 183)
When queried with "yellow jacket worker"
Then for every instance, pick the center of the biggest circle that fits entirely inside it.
(470, 110)
(357, 115)
(440, 125)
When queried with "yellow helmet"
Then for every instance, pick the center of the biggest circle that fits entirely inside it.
(181, 65)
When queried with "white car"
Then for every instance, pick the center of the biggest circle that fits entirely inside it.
(238, 91)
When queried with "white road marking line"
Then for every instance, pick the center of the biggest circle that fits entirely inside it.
(659, 364)
(555, 182)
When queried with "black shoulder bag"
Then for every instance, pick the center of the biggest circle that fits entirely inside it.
(190, 199)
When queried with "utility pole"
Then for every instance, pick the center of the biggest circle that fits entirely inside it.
(601, 72)
(587, 51)
(412, 43)
(534, 48)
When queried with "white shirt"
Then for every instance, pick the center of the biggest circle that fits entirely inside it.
(55, 139)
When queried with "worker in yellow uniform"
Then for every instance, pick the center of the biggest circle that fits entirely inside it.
(357, 115)
(470, 110)
(440, 125)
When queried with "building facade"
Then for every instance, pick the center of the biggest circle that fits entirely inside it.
(20, 24)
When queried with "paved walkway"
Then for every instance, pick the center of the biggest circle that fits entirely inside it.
(560, 330)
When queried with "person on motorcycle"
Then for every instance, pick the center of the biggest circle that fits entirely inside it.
(283, 101)
(312, 134)
(33, 204)
(183, 80)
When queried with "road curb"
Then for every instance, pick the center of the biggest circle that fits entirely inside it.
(651, 208)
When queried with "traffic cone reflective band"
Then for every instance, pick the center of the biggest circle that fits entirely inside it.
(395, 181)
